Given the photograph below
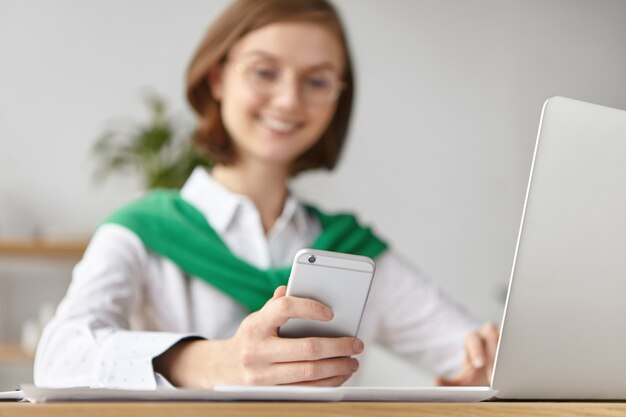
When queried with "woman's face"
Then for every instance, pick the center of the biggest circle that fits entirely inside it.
(278, 90)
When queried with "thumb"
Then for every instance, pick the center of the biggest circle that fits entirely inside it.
(279, 292)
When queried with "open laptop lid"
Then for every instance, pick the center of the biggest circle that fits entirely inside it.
(564, 328)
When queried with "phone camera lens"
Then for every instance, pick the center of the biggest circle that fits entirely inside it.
(311, 259)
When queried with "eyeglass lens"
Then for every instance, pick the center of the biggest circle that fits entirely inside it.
(317, 86)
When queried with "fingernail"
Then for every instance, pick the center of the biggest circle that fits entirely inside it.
(328, 312)
(478, 361)
(358, 346)
(355, 365)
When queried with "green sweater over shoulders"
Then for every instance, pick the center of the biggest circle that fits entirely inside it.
(173, 228)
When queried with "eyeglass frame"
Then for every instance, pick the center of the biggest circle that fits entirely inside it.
(241, 68)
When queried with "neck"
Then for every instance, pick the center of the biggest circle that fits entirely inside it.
(266, 186)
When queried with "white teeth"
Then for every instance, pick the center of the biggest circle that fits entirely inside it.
(278, 125)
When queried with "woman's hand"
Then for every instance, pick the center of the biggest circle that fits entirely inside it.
(480, 354)
(256, 355)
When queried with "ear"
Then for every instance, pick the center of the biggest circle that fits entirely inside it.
(214, 80)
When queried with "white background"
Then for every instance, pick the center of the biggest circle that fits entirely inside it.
(449, 99)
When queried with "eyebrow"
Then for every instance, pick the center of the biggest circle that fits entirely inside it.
(274, 58)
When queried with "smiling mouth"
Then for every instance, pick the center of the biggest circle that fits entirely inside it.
(279, 125)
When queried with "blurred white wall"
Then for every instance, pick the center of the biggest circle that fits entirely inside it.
(449, 98)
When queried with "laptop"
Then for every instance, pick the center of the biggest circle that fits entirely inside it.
(564, 327)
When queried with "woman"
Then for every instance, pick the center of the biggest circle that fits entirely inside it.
(185, 288)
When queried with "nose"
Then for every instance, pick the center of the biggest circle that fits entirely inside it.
(289, 95)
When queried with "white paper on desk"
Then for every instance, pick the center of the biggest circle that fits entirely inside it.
(16, 395)
(263, 393)
(38, 394)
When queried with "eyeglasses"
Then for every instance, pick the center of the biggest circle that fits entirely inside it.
(317, 87)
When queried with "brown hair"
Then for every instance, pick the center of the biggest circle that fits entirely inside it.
(242, 17)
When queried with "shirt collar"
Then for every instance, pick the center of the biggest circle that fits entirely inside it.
(220, 205)
(216, 202)
(299, 214)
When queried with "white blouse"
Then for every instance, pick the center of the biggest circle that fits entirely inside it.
(126, 305)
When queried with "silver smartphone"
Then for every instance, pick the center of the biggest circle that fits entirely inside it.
(339, 280)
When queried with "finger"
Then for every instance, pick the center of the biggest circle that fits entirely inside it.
(298, 372)
(280, 310)
(448, 382)
(475, 350)
(335, 381)
(468, 376)
(490, 335)
(308, 349)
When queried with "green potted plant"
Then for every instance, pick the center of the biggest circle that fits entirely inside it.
(159, 150)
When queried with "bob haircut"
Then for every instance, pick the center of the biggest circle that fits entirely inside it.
(240, 18)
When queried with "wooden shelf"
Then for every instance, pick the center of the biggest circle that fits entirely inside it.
(15, 354)
(40, 248)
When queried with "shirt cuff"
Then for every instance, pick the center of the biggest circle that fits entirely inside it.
(125, 360)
